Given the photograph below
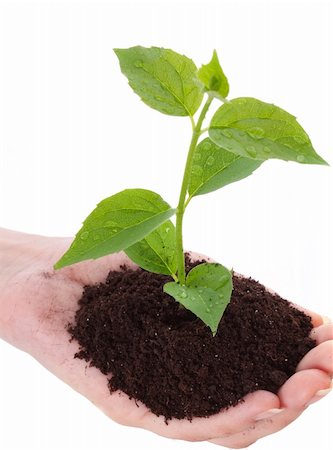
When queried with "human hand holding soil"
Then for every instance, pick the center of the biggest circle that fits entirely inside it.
(37, 303)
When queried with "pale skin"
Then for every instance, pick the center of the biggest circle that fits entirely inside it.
(36, 304)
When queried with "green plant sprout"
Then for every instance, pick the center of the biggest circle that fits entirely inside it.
(243, 133)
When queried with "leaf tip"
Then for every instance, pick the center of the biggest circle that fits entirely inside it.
(214, 331)
(57, 265)
(322, 162)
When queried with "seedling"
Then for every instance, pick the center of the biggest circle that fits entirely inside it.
(243, 133)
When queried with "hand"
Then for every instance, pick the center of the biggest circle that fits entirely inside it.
(36, 304)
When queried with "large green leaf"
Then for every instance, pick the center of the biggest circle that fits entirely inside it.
(206, 293)
(156, 252)
(214, 167)
(117, 223)
(213, 77)
(254, 129)
(164, 79)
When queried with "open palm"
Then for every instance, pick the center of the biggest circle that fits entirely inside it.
(36, 304)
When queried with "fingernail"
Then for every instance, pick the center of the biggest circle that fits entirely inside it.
(326, 320)
(320, 394)
(268, 414)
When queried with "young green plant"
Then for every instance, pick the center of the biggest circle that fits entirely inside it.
(243, 133)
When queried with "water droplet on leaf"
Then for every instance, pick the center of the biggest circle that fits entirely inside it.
(251, 151)
(206, 146)
(138, 63)
(266, 149)
(226, 133)
(300, 158)
(197, 170)
(300, 139)
(210, 161)
(256, 132)
(85, 235)
(183, 295)
(167, 229)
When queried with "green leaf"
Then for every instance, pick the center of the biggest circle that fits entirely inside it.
(258, 130)
(213, 77)
(206, 293)
(117, 223)
(213, 167)
(156, 252)
(164, 79)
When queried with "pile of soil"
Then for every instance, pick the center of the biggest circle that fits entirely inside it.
(158, 352)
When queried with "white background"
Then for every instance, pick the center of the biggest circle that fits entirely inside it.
(72, 133)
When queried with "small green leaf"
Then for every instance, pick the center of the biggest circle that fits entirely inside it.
(258, 130)
(213, 77)
(214, 167)
(164, 79)
(117, 223)
(206, 293)
(156, 252)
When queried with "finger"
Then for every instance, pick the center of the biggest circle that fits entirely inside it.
(301, 387)
(295, 395)
(258, 430)
(316, 318)
(320, 357)
(195, 256)
(322, 333)
(226, 422)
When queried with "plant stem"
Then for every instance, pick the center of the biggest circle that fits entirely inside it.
(181, 203)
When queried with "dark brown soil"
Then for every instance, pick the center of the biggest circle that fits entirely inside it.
(161, 354)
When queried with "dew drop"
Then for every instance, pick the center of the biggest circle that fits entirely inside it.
(266, 149)
(256, 132)
(208, 310)
(206, 145)
(210, 161)
(167, 229)
(138, 63)
(85, 235)
(300, 158)
(183, 295)
(221, 295)
(115, 230)
(226, 133)
(196, 157)
(251, 151)
(197, 170)
(300, 139)
(224, 281)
